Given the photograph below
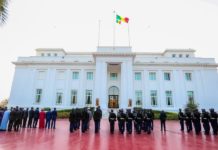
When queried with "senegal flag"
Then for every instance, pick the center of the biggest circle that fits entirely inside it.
(120, 19)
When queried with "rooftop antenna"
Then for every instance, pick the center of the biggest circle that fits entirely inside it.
(99, 30)
(114, 29)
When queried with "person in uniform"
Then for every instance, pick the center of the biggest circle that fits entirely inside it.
(152, 119)
(163, 118)
(206, 121)
(97, 118)
(181, 118)
(149, 119)
(35, 117)
(25, 116)
(5, 119)
(188, 120)
(129, 119)
(42, 119)
(72, 120)
(48, 118)
(138, 121)
(197, 121)
(30, 120)
(145, 121)
(112, 120)
(134, 118)
(213, 121)
(53, 118)
(121, 121)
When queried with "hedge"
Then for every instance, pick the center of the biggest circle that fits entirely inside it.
(170, 115)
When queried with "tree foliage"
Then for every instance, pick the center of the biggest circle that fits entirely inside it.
(191, 105)
(3, 103)
(3, 11)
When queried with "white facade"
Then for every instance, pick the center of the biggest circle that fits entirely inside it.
(115, 78)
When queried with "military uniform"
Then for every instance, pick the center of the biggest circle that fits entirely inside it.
(206, 121)
(197, 121)
(112, 119)
(188, 121)
(138, 121)
(149, 122)
(121, 121)
(213, 121)
(181, 118)
(129, 120)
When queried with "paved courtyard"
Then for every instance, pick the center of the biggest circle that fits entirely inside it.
(61, 139)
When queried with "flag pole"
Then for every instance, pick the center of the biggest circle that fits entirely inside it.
(114, 29)
(128, 35)
(99, 30)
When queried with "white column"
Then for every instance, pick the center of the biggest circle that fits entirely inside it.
(67, 94)
(100, 90)
(123, 95)
(81, 93)
(160, 93)
(126, 84)
(129, 74)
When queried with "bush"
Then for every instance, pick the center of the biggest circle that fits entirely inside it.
(170, 115)
(191, 105)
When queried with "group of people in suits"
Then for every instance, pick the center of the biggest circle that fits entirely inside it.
(76, 117)
(17, 118)
(196, 118)
(142, 120)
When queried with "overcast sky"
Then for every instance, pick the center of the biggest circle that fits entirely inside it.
(155, 25)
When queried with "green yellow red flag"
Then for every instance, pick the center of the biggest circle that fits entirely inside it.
(120, 19)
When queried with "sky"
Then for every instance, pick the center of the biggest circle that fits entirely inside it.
(154, 25)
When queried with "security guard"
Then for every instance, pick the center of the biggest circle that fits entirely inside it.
(129, 120)
(205, 120)
(188, 120)
(181, 118)
(121, 121)
(112, 120)
(197, 121)
(138, 121)
(213, 121)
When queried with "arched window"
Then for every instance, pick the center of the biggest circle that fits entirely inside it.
(113, 90)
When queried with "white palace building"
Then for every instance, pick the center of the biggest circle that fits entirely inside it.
(114, 77)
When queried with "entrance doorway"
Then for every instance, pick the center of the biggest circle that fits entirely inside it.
(113, 97)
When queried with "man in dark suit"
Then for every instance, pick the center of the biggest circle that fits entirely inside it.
(97, 118)
(72, 120)
(53, 118)
(85, 119)
(36, 117)
(25, 116)
(48, 118)
(31, 115)
(163, 118)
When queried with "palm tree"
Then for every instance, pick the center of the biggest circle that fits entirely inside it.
(3, 11)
